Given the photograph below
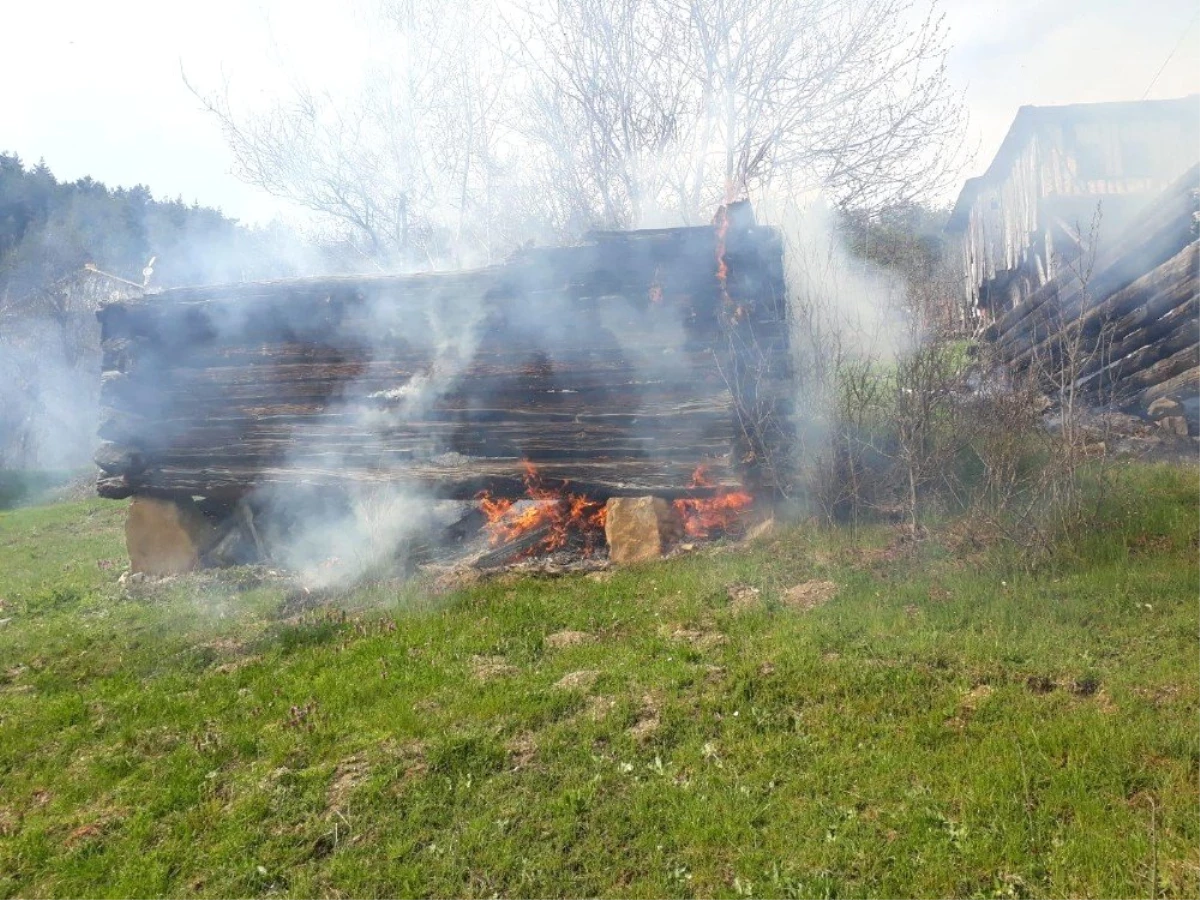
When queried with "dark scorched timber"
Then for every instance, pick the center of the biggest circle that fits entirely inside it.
(1128, 332)
(619, 366)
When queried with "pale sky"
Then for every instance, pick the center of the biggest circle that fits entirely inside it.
(96, 88)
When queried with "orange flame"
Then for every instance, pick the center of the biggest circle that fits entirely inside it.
(717, 514)
(566, 515)
(722, 225)
(656, 289)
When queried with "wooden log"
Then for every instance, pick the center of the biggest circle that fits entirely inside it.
(532, 433)
(1106, 352)
(1163, 369)
(612, 365)
(1066, 298)
(1185, 384)
(1165, 221)
(116, 458)
(512, 550)
(462, 480)
(1146, 299)
(1110, 377)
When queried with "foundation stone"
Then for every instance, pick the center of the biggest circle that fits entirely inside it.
(640, 528)
(165, 537)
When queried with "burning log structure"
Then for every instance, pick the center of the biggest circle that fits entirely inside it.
(618, 368)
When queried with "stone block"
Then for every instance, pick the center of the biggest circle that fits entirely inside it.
(640, 528)
(165, 537)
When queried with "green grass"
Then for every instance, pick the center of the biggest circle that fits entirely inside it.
(944, 726)
(22, 488)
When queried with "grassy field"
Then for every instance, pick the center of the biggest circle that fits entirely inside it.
(946, 724)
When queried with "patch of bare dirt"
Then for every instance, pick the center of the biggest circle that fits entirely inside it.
(96, 826)
(1084, 687)
(744, 597)
(971, 701)
(762, 531)
(488, 668)
(227, 645)
(349, 774)
(938, 594)
(410, 754)
(902, 546)
(237, 664)
(521, 751)
(701, 640)
(447, 580)
(1040, 684)
(1160, 695)
(566, 639)
(649, 719)
(1104, 702)
(809, 595)
(577, 681)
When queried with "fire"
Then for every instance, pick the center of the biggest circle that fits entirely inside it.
(734, 311)
(722, 225)
(564, 515)
(718, 513)
(656, 288)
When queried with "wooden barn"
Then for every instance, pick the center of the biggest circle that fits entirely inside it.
(1033, 209)
(620, 367)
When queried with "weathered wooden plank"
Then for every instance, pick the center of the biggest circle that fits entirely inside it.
(1140, 245)
(1187, 314)
(599, 479)
(1107, 379)
(1183, 385)
(1146, 299)
(617, 365)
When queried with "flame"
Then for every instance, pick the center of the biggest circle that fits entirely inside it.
(734, 312)
(718, 513)
(565, 514)
(656, 288)
(722, 225)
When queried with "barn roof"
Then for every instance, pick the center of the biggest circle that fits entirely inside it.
(1027, 122)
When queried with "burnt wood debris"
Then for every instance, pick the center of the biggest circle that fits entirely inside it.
(619, 366)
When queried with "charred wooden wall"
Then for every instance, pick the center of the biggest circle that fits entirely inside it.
(1054, 167)
(1123, 329)
(620, 366)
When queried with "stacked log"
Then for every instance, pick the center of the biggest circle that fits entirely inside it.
(1127, 330)
(620, 366)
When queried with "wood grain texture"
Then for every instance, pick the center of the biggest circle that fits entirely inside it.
(619, 366)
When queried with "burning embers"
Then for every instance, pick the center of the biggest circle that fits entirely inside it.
(714, 515)
(551, 519)
(548, 520)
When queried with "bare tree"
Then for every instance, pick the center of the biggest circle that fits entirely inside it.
(409, 165)
(685, 104)
(489, 122)
(609, 92)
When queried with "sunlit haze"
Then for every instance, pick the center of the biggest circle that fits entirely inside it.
(102, 91)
